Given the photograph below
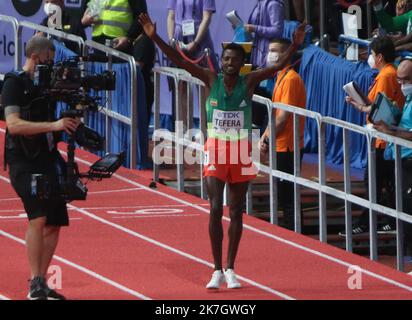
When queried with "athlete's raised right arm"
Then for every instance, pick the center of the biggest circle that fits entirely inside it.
(149, 28)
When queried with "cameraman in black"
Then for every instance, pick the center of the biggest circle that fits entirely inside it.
(31, 149)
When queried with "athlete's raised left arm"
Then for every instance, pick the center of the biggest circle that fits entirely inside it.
(207, 76)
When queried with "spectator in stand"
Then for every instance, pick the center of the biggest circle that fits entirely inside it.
(381, 58)
(401, 23)
(289, 89)
(404, 130)
(188, 23)
(266, 22)
(116, 22)
(69, 23)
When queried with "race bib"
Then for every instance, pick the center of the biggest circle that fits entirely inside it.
(188, 28)
(224, 121)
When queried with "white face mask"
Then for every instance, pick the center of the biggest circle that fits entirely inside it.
(371, 62)
(272, 58)
(406, 89)
(51, 8)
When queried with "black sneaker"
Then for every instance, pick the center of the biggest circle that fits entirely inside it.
(52, 294)
(37, 291)
(355, 231)
(386, 229)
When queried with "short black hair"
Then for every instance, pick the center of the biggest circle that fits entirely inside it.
(235, 47)
(283, 41)
(385, 46)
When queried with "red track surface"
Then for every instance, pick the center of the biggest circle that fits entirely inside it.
(130, 242)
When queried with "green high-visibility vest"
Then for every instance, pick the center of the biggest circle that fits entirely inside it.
(116, 19)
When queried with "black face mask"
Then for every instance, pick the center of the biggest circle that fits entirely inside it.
(49, 63)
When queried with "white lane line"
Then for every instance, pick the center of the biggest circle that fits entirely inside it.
(169, 248)
(263, 233)
(84, 270)
(2, 297)
(24, 219)
(114, 191)
(177, 251)
(159, 216)
(10, 199)
(137, 207)
(271, 236)
(7, 180)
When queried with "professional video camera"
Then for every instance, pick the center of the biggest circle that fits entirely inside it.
(70, 75)
(69, 82)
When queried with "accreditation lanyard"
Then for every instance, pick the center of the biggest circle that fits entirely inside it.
(281, 79)
(258, 10)
(188, 25)
(373, 85)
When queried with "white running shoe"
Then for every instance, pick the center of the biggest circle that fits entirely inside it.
(217, 279)
(231, 279)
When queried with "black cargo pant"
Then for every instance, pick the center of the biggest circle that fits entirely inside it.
(286, 192)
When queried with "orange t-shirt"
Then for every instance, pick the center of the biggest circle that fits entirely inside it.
(289, 89)
(386, 82)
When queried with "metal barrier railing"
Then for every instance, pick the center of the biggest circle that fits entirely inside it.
(178, 76)
(83, 45)
(346, 41)
(323, 36)
(107, 111)
(182, 76)
(17, 36)
(297, 165)
(297, 180)
(59, 34)
(397, 213)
